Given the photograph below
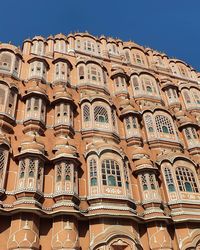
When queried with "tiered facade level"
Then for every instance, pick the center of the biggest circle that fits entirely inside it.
(99, 146)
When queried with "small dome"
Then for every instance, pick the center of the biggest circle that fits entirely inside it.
(10, 47)
(128, 109)
(60, 92)
(143, 162)
(36, 87)
(60, 36)
(32, 144)
(64, 149)
(38, 38)
(4, 140)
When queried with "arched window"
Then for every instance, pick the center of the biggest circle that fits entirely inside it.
(186, 180)
(128, 123)
(31, 168)
(35, 108)
(149, 89)
(81, 73)
(5, 61)
(111, 175)
(144, 182)
(187, 96)
(40, 48)
(22, 169)
(94, 73)
(148, 181)
(149, 123)
(93, 172)
(126, 175)
(30, 174)
(62, 113)
(100, 114)
(86, 113)
(127, 56)
(2, 97)
(131, 122)
(58, 173)
(138, 59)
(78, 44)
(66, 177)
(152, 181)
(134, 122)
(3, 165)
(89, 46)
(61, 71)
(169, 180)
(112, 48)
(194, 133)
(135, 82)
(67, 169)
(164, 124)
(187, 133)
(196, 95)
(11, 102)
(149, 85)
(113, 118)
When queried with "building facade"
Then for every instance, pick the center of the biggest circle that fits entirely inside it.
(99, 146)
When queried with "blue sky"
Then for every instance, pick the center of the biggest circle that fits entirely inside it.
(170, 26)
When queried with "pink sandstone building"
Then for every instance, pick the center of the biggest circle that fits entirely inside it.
(99, 146)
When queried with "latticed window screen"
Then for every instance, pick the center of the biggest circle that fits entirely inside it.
(134, 122)
(194, 133)
(113, 118)
(149, 123)
(164, 124)
(111, 175)
(187, 133)
(131, 122)
(40, 166)
(22, 169)
(144, 182)
(86, 113)
(93, 172)
(169, 180)
(186, 180)
(152, 181)
(31, 168)
(67, 171)
(2, 163)
(126, 175)
(58, 173)
(128, 123)
(100, 114)
(174, 93)
(148, 181)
